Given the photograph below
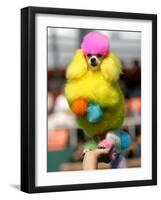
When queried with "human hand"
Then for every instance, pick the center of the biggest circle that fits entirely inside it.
(90, 160)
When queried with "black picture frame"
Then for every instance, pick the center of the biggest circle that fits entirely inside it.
(28, 98)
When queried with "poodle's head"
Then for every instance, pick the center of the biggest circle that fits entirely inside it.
(95, 47)
(94, 55)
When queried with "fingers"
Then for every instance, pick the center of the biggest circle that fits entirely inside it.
(90, 160)
(96, 152)
(102, 151)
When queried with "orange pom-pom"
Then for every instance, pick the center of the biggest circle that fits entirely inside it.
(79, 106)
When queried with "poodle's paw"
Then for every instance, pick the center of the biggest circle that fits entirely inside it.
(94, 113)
(105, 143)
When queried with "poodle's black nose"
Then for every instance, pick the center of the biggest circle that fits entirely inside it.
(93, 60)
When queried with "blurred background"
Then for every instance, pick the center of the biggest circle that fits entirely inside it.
(65, 139)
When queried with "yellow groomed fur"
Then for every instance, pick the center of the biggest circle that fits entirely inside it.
(78, 66)
(110, 66)
(98, 87)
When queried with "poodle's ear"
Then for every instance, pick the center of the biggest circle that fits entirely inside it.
(77, 67)
(111, 67)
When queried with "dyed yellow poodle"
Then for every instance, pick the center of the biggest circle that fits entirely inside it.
(100, 87)
(93, 92)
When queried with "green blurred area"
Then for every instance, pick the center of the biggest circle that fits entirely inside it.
(56, 158)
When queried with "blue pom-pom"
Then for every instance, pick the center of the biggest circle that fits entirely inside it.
(125, 140)
(94, 113)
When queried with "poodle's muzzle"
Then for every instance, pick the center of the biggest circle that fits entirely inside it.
(94, 62)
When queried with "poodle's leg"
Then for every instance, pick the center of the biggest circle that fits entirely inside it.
(120, 162)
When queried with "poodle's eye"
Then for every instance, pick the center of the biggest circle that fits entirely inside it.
(99, 55)
(89, 55)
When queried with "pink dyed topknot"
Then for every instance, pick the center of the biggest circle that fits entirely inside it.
(95, 43)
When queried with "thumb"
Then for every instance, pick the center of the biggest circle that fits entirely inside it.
(102, 151)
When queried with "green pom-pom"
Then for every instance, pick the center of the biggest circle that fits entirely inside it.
(91, 145)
